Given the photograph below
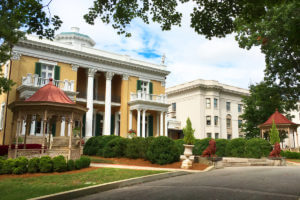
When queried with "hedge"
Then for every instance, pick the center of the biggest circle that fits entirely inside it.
(221, 147)
(257, 148)
(136, 148)
(290, 155)
(44, 164)
(95, 145)
(162, 150)
(179, 144)
(200, 146)
(115, 148)
(236, 148)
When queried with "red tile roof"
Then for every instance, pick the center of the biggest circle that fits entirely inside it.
(278, 119)
(50, 93)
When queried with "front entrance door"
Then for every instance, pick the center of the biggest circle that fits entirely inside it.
(99, 124)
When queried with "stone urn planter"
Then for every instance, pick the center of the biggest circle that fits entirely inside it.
(188, 151)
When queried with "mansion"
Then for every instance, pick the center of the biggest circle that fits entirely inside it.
(214, 109)
(120, 93)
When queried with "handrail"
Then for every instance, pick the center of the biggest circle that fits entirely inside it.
(162, 98)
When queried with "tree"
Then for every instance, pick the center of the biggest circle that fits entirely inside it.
(188, 132)
(20, 17)
(260, 105)
(274, 135)
(272, 25)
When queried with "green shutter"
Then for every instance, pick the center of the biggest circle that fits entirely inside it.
(112, 124)
(83, 125)
(150, 125)
(53, 129)
(150, 88)
(98, 123)
(38, 69)
(139, 85)
(57, 73)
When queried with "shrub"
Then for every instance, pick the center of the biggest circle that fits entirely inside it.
(1, 164)
(200, 146)
(70, 165)
(59, 164)
(95, 145)
(115, 148)
(78, 164)
(33, 165)
(236, 147)
(274, 134)
(220, 147)
(290, 155)
(163, 150)
(257, 148)
(20, 166)
(188, 132)
(179, 144)
(8, 166)
(46, 164)
(136, 148)
(85, 161)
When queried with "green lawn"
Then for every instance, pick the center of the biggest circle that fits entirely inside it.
(24, 188)
(99, 160)
(294, 160)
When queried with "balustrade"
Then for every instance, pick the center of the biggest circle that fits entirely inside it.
(148, 97)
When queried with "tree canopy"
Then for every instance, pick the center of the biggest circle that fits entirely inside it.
(20, 17)
(272, 25)
(261, 104)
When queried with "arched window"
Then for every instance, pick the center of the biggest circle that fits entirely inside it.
(228, 121)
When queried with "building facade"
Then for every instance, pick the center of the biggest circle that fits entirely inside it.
(120, 93)
(214, 109)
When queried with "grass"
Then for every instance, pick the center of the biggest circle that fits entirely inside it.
(24, 188)
(294, 160)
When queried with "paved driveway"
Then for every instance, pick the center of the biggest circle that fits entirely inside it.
(230, 183)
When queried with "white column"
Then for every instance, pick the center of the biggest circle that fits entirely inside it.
(138, 124)
(107, 117)
(157, 124)
(89, 104)
(161, 123)
(130, 119)
(166, 124)
(62, 127)
(116, 123)
(144, 124)
(69, 128)
(32, 127)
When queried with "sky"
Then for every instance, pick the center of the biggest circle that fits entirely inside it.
(189, 56)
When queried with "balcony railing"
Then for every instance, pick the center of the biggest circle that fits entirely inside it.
(36, 81)
(148, 97)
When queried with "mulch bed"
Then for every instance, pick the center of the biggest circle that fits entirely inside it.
(28, 175)
(146, 163)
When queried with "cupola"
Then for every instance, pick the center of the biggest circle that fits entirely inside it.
(75, 38)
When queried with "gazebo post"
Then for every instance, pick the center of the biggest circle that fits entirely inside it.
(81, 127)
(11, 135)
(70, 136)
(289, 142)
(297, 138)
(44, 121)
(17, 136)
(28, 122)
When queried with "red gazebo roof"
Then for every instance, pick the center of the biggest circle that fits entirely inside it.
(50, 93)
(278, 119)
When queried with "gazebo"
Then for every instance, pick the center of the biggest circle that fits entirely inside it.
(282, 123)
(49, 105)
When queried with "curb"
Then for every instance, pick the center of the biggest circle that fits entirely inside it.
(72, 194)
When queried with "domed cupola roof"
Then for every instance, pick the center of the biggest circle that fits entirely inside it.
(75, 38)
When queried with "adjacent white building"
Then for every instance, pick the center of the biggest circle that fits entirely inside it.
(214, 109)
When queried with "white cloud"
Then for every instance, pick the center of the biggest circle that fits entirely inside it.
(189, 56)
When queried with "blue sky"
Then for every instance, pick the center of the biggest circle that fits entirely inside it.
(189, 56)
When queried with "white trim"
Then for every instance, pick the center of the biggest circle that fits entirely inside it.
(2, 115)
(47, 62)
(144, 79)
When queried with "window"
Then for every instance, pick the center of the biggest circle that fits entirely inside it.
(240, 107)
(47, 71)
(216, 135)
(228, 106)
(208, 103)
(208, 120)
(208, 135)
(2, 115)
(216, 120)
(144, 86)
(228, 137)
(173, 107)
(228, 121)
(215, 103)
(240, 123)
